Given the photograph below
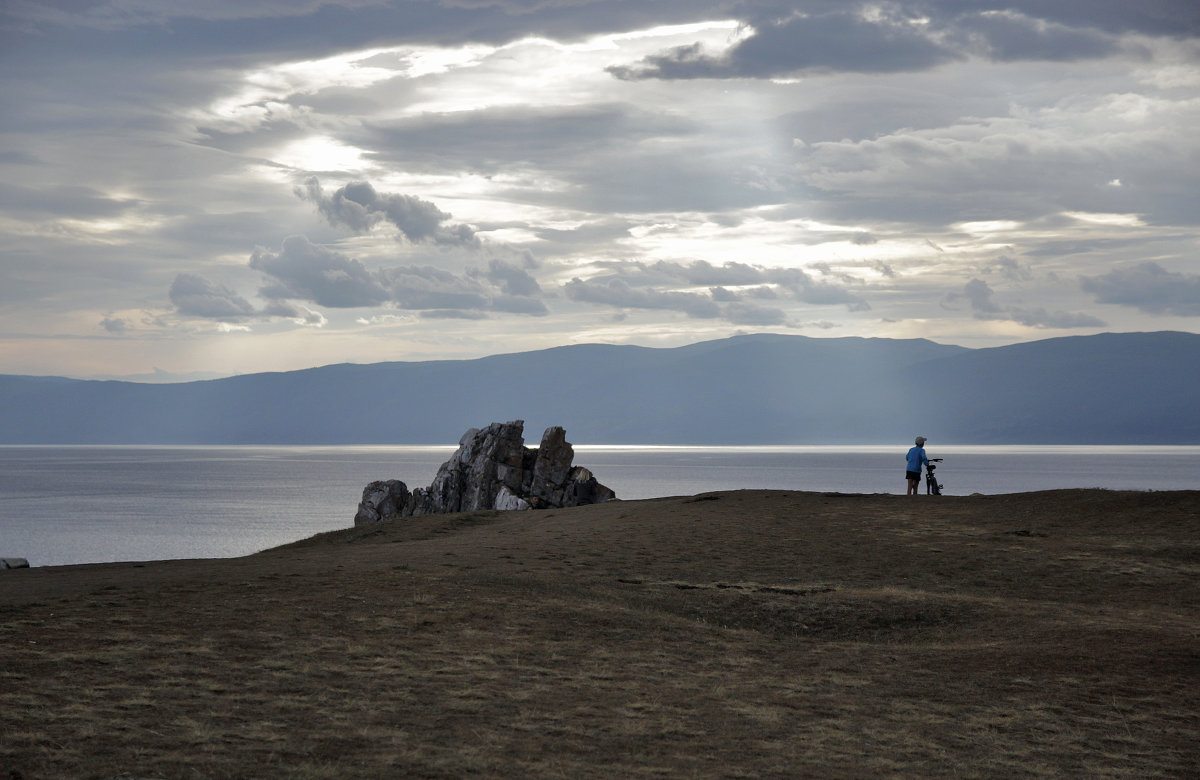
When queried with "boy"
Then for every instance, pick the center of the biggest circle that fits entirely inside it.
(916, 458)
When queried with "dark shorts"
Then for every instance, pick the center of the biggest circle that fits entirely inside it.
(913, 474)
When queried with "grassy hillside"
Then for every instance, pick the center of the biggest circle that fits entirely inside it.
(739, 634)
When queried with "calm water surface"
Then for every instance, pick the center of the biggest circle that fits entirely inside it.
(61, 505)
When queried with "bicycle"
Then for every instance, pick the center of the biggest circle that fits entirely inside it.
(932, 486)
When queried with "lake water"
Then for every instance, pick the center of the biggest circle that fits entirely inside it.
(64, 505)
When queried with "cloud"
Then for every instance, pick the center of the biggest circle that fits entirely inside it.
(511, 279)
(115, 325)
(1040, 318)
(1008, 36)
(301, 315)
(305, 271)
(983, 305)
(1031, 164)
(196, 296)
(617, 292)
(979, 294)
(359, 207)
(1009, 268)
(820, 36)
(795, 282)
(1148, 287)
(746, 313)
(847, 42)
(67, 200)
(450, 314)
(732, 290)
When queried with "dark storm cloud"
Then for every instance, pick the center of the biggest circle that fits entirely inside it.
(841, 42)
(198, 297)
(55, 36)
(262, 31)
(1148, 287)
(500, 19)
(359, 207)
(1149, 17)
(305, 271)
(796, 37)
(1009, 36)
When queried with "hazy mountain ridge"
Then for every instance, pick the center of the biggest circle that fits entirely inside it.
(757, 389)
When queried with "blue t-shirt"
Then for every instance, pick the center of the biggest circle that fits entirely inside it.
(916, 456)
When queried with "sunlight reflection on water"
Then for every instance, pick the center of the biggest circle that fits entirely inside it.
(90, 504)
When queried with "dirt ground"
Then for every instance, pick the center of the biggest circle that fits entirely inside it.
(744, 634)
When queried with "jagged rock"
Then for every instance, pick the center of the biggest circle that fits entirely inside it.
(382, 500)
(14, 563)
(492, 469)
(552, 467)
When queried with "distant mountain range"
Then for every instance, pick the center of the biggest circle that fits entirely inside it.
(1111, 388)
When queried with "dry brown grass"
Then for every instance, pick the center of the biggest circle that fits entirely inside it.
(745, 634)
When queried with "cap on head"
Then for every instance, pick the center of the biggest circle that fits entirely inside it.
(921, 441)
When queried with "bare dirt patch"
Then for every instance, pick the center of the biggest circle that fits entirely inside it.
(739, 634)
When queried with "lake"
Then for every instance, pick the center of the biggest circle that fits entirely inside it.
(90, 504)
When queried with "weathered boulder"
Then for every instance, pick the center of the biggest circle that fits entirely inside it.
(491, 469)
(14, 563)
(383, 499)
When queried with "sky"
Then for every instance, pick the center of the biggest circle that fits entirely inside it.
(193, 190)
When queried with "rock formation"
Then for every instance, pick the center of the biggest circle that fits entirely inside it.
(14, 563)
(492, 469)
